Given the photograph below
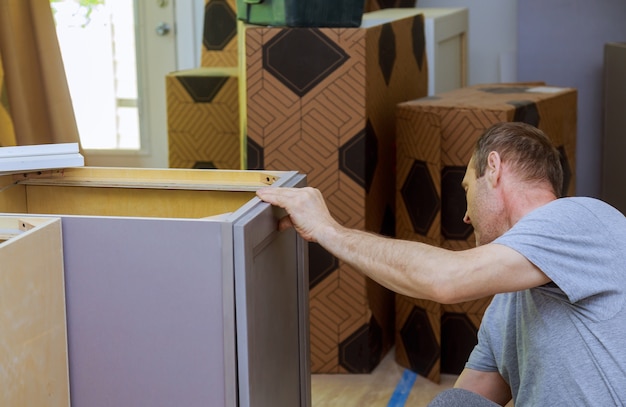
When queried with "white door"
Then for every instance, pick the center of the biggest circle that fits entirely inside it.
(116, 55)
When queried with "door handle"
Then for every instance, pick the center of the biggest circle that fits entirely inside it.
(163, 29)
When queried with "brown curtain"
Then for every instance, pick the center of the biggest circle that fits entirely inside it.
(7, 135)
(34, 89)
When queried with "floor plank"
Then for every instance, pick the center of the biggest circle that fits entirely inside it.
(374, 389)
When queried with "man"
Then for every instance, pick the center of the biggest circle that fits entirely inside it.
(555, 333)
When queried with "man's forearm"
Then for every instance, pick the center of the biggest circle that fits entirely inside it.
(410, 268)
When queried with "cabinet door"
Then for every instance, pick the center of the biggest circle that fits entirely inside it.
(271, 297)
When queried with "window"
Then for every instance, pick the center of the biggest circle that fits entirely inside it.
(97, 40)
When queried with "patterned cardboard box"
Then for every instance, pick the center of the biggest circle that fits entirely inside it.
(322, 101)
(203, 118)
(219, 36)
(436, 136)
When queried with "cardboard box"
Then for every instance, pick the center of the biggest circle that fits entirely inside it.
(219, 36)
(33, 345)
(322, 101)
(436, 137)
(203, 118)
(179, 289)
(445, 35)
(614, 142)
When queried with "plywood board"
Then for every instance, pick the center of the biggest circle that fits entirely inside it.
(171, 193)
(33, 344)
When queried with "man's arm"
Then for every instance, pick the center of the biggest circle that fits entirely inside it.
(490, 385)
(411, 268)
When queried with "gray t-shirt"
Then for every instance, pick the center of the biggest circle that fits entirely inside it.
(563, 343)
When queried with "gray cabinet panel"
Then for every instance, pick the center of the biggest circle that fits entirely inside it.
(145, 312)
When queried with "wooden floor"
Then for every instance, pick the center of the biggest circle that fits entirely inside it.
(379, 388)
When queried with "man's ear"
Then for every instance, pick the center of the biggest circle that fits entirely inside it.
(494, 168)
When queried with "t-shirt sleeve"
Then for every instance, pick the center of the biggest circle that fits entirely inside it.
(482, 358)
(572, 244)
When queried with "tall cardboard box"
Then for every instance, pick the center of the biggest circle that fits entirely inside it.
(436, 137)
(179, 289)
(322, 101)
(203, 118)
(33, 344)
(219, 35)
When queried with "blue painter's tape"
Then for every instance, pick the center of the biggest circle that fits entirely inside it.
(403, 389)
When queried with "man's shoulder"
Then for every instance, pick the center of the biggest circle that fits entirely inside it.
(579, 206)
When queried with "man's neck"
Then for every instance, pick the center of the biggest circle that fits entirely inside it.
(525, 199)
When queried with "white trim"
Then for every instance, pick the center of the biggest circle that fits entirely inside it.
(189, 17)
(40, 157)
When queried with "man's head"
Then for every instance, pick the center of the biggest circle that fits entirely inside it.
(511, 161)
(523, 147)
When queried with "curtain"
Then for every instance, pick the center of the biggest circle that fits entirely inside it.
(7, 135)
(34, 89)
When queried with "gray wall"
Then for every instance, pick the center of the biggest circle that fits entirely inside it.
(562, 42)
(491, 38)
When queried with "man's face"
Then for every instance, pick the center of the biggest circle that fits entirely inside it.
(483, 207)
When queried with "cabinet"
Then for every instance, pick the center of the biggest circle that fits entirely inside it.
(179, 288)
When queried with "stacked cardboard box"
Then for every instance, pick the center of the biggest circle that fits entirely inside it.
(219, 37)
(436, 136)
(203, 103)
(322, 101)
(203, 118)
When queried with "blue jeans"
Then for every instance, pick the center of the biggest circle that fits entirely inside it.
(460, 397)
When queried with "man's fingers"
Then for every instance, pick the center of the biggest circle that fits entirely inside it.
(284, 197)
(272, 195)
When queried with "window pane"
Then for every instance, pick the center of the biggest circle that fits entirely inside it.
(97, 40)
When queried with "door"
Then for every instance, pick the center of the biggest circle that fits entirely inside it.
(271, 297)
(116, 55)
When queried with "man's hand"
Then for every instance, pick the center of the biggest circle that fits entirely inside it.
(306, 209)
